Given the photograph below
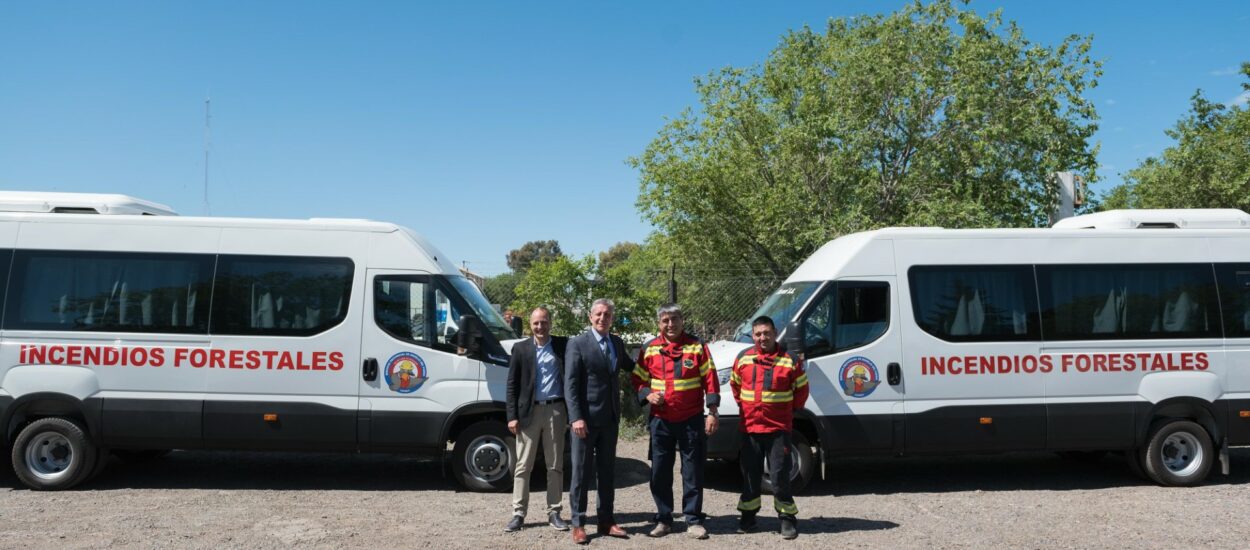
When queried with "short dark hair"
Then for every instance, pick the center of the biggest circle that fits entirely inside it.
(763, 320)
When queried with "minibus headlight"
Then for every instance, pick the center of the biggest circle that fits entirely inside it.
(723, 374)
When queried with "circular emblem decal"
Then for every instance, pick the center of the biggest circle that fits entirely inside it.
(859, 377)
(405, 372)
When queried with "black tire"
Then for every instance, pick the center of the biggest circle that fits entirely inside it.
(484, 457)
(1179, 454)
(54, 453)
(102, 457)
(803, 463)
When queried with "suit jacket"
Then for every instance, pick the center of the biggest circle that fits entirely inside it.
(523, 376)
(592, 391)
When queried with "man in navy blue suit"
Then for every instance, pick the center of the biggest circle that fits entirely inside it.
(592, 391)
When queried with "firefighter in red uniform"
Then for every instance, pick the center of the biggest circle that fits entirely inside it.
(674, 374)
(769, 385)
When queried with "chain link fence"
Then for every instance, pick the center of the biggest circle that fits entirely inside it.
(716, 303)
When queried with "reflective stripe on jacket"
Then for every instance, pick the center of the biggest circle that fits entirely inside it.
(683, 371)
(768, 387)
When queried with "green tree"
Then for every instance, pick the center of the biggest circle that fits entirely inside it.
(563, 286)
(521, 259)
(1208, 167)
(501, 289)
(617, 254)
(932, 115)
(633, 278)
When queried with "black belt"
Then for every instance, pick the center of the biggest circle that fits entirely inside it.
(550, 401)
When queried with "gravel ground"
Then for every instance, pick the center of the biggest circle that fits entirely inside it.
(263, 500)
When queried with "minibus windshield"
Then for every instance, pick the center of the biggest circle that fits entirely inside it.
(782, 306)
(482, 308)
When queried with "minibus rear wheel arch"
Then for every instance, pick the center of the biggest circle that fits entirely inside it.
(32, 407)
(1184, 408)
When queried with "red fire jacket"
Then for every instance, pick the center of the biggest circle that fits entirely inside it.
(768, 387)
(683, 370)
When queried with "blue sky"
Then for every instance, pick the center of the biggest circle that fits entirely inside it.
(481, 125)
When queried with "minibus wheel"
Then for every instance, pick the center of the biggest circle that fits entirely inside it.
(1179, 454)
(802, 462)
(53, 453)
(483, 457)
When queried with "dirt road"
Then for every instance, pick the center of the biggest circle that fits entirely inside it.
(273, 500)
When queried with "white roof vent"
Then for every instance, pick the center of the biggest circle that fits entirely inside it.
(1195, 218)
(80, 203)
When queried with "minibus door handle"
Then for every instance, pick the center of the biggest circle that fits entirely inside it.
(894, 374)
(370, 369)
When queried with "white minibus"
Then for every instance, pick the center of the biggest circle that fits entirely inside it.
(130, 330)
(1122, 331)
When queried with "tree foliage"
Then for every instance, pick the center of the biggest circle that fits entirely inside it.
(561, 285)
(501, 289)
(1208, 167)
(626, 273)
(531, 252)
(932, 115)
(617, 254)
(631, 276)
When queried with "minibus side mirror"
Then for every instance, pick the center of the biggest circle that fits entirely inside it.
(469, 338)
(793, 339)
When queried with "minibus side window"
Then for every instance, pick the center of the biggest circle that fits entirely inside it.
(1235, 293)
(6, 257)
(280, 295)
(1128, 301)
(399, 307)
(975, 303)
(848, 315)
(109, 291)
(446, 319)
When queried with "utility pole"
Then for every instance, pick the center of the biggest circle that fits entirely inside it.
(672, 284)
(208, 140)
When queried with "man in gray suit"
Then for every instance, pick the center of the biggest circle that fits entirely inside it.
(592, 392)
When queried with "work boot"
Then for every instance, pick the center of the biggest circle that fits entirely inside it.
(789, 528)
(514, 524)
(555, 521)
(746, 523)
(660, 530)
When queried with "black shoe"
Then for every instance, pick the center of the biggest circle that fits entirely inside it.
(557, 523)
(514, 524)
(746, 524)
(789, 529)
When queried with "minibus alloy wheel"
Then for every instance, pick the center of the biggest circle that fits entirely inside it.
(484, 456)
(1179, 454)
(53, 453)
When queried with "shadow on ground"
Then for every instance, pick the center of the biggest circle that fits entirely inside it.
(1005, 472)
(294, 471)
(844, 477)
